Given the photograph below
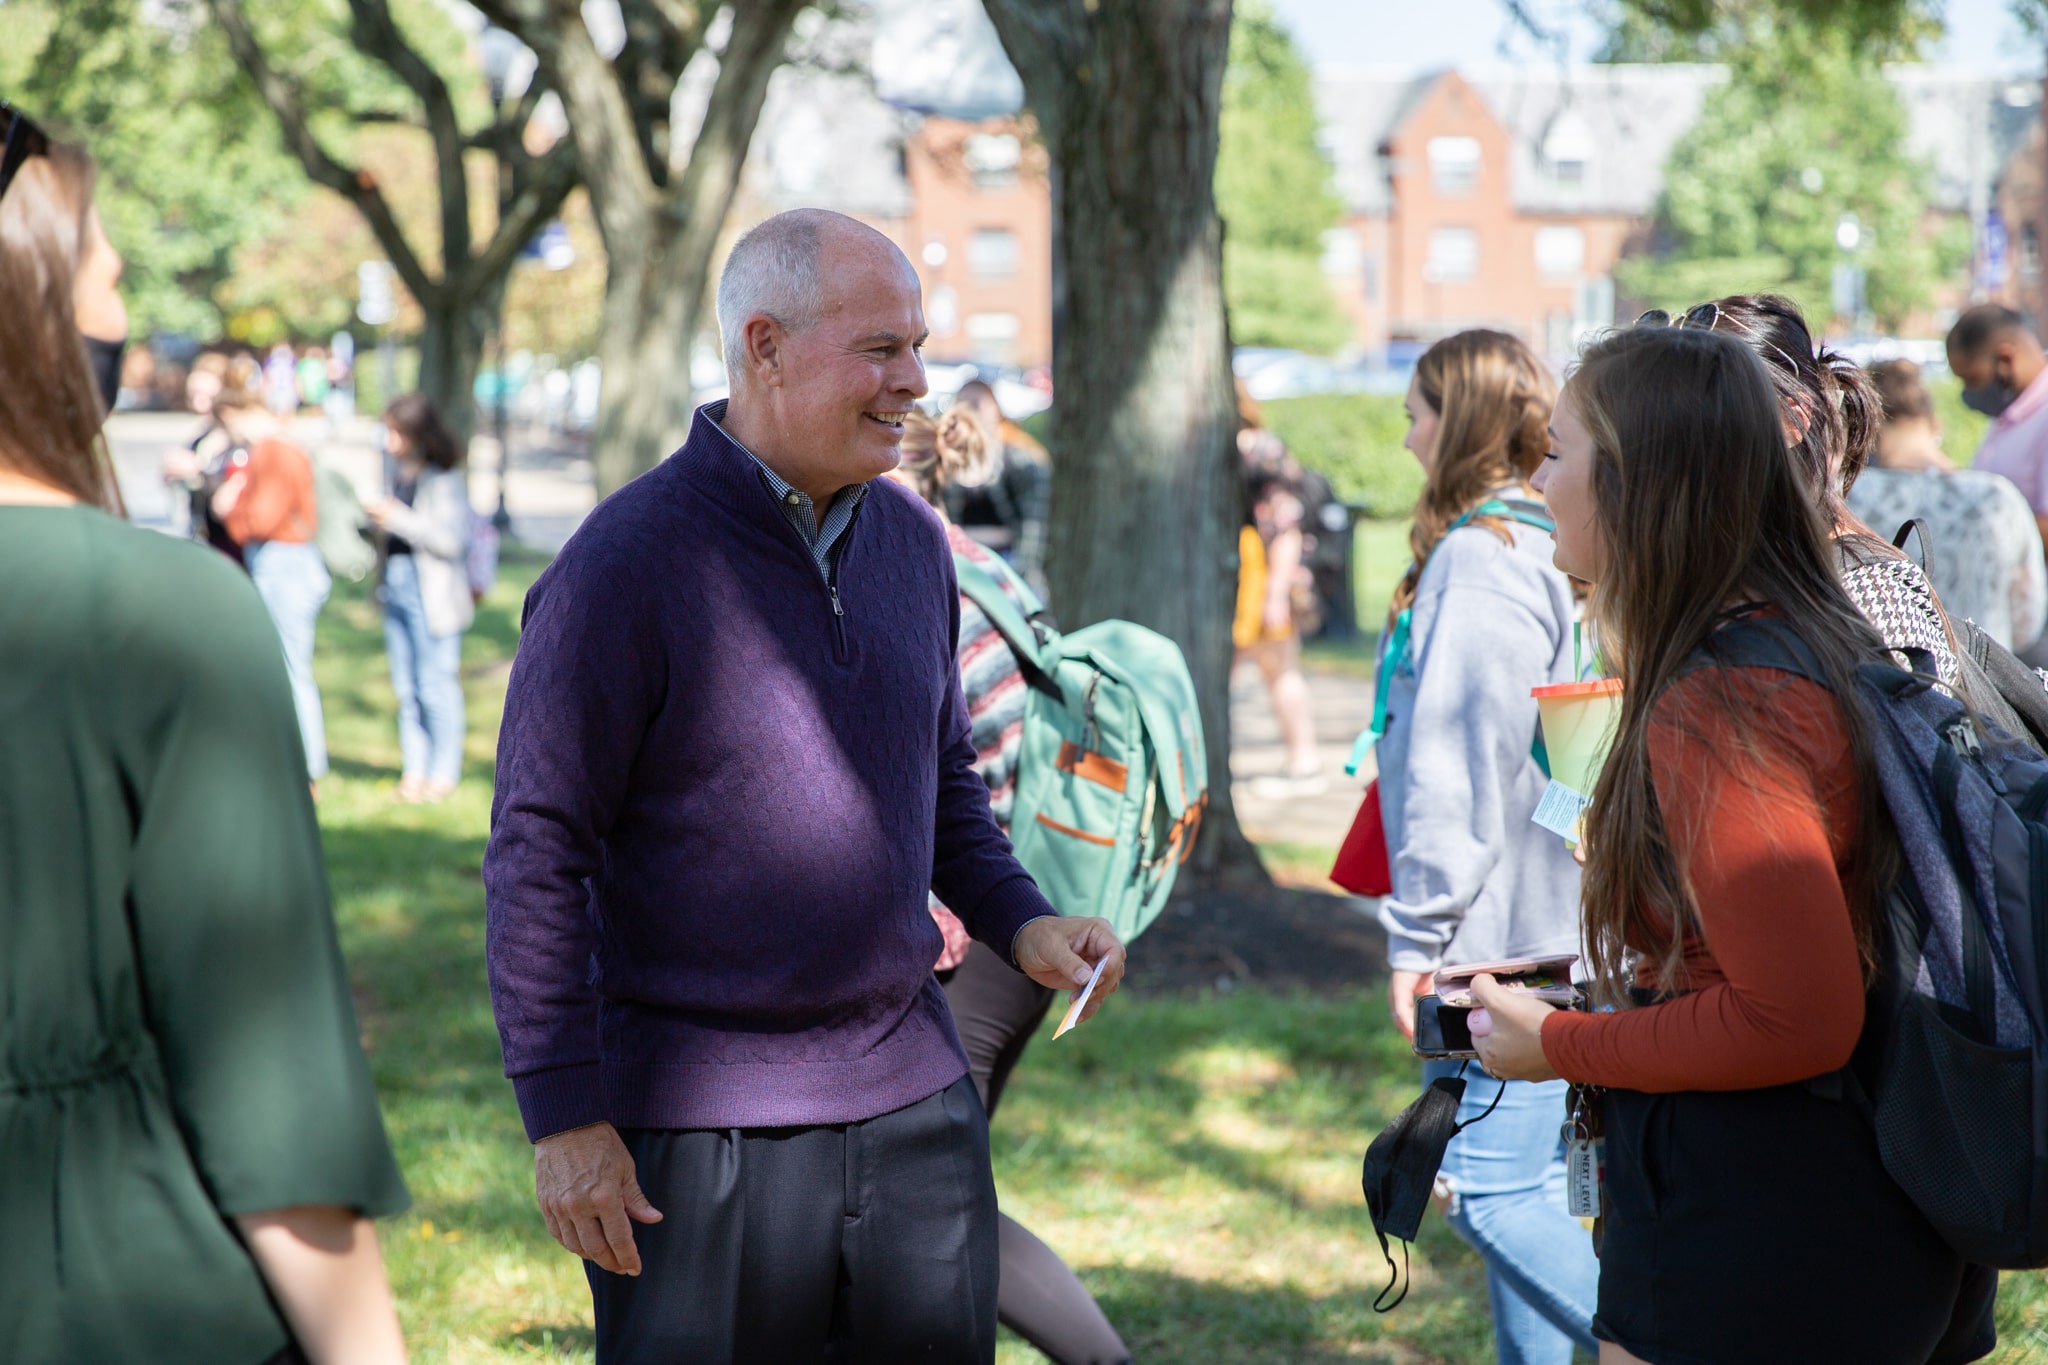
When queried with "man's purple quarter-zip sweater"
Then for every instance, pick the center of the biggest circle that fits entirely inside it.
(721, 799)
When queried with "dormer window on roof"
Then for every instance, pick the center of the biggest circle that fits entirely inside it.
(1568, 146)
(1454, 165)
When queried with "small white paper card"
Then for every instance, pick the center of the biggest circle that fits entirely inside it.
(1073, 1016)
(1560, 809)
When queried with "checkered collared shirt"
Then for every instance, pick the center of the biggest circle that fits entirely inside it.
(797, 506)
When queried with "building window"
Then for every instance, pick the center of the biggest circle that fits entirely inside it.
(992, 253)
(1453, 255)
(1557, 335)
(1343, 253)
(1454, 164)
(1568, 144)
(994, 335)
(993, 159)
(1560, 251)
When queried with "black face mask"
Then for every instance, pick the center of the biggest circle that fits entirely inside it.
(1991, 399)
(1400, 1171)
(105, 358)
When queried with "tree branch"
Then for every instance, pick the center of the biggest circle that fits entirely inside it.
(661, 37)
(751, 54)
(600, 117)
(508, 130)
(537, 198)
(376, 33)
(281, 95)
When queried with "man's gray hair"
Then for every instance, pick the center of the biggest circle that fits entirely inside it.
(773, 271)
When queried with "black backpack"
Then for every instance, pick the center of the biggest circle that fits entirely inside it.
(1952, 1068)
(1996, 684)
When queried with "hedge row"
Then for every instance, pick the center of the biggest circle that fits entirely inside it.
(1353, 440)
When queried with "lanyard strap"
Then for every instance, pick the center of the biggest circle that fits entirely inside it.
(1394, 648)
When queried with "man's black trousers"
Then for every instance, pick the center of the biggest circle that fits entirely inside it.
(860, 1242)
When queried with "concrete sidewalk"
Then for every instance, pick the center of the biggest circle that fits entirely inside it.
(1343, 707)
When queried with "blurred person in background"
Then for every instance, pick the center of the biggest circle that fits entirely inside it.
(1005, 507)
(1271, 587)
(194, 470)
(1983, 548)
(190, 1147)
(266, 504)
(341, 378)
(312, 377)
(423, 581)
(281, 381)
(2005, 376)
(997, 1008)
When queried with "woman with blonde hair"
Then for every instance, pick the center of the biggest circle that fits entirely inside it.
(189, 1141)
(995, 1007)
(1480, 618)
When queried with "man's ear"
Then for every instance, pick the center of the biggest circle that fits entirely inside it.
(765, 341)
(2005, 348)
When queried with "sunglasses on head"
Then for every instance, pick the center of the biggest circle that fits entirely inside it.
(1706, 317)
(23, 140)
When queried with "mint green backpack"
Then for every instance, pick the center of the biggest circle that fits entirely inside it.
(1113, 776)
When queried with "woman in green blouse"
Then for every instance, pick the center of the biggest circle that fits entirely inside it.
(190, 1147)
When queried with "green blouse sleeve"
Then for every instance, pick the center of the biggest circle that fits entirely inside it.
(241, 972)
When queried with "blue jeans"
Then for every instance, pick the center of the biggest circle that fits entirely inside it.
(1507, 1172)
(293, 583)
(426, 673)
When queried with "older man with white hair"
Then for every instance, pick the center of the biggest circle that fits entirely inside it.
(734, 759)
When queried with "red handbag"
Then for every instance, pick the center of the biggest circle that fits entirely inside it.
(1362, 866)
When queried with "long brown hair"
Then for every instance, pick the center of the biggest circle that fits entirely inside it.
(1700, 509)
(50, 414)
(1492, 398)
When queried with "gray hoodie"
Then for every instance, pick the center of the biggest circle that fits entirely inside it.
(1474, 878)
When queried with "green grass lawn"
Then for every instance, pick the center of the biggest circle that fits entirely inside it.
(1195, 1159)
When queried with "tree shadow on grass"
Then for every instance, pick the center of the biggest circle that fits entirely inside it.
(1167, 1317)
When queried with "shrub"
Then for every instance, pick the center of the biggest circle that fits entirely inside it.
(1353, 440)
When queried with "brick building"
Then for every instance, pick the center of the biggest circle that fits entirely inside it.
(1503, 196)
(966, 199)
(1497, 196)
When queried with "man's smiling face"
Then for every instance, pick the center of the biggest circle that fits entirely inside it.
(853, 375)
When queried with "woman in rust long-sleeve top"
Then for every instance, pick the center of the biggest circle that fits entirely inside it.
(267, 506)
(1735, 852)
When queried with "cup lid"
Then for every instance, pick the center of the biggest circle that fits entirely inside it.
(1593, 688)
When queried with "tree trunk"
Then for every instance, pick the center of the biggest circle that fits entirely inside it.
(653, 303)
(452, 341)
(1146, 496)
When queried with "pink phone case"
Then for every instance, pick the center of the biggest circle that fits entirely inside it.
(1547, 978)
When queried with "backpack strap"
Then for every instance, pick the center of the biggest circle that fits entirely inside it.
(1757, 642)
(981, 587)
(1905, 533)
(1394, 644)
